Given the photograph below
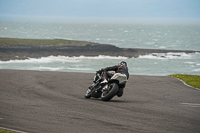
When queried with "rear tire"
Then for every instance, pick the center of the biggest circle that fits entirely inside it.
(107, 95)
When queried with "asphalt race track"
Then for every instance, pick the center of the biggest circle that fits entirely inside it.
(53, 102)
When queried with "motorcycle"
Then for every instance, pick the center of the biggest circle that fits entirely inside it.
(105, 90)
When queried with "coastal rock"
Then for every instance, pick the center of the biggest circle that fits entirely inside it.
(11, 49)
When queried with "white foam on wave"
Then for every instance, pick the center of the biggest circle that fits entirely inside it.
(82, 69)
(162, 47)
(43, 60)
(189, 62)
(47, 68)
(101, 57)
(196, 70)
(169, 55)
(63, 59)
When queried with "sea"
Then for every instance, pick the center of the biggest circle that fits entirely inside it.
(130, 34)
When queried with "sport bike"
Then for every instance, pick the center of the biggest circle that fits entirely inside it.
(105, 91)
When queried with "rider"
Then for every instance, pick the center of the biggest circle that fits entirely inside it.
(120, 68)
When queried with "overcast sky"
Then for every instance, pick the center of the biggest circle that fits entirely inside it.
(102, 9)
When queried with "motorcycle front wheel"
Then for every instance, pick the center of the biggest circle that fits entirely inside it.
(88, 93)
(110, 92)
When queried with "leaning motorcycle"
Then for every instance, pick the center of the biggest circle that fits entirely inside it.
(105, 91)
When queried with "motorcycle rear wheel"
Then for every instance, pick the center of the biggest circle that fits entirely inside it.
(110, 93)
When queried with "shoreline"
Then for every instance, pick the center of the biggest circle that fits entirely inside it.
(14, 48)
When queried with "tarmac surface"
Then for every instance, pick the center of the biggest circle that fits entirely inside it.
(53, 102)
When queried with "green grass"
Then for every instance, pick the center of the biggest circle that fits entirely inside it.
(17, 41)
(4, 131)
(192, 80)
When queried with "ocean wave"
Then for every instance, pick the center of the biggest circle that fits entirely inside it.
(196, 70)
(63, 59)
(43, 60)
(47, 68)
(80, 69)
(169, 55)
(101, 57)
(189, 62)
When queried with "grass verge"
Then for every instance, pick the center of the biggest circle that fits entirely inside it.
(4, 131)
(192, 80)
(20, 41)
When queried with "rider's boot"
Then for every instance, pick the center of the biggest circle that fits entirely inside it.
(120, 92)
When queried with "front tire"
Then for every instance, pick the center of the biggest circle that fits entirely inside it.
(112, 91)
(88, 93)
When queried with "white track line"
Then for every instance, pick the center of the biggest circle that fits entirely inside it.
(191, 104)
(187, 84)
(8, 129)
